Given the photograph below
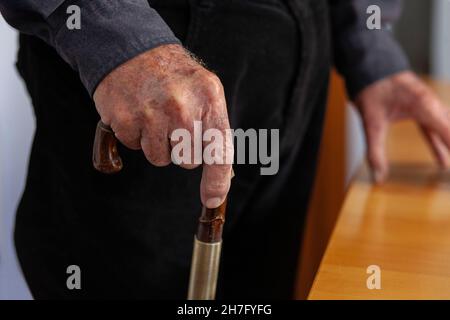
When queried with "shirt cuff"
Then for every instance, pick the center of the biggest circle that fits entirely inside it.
(373, 55)
(112, 32)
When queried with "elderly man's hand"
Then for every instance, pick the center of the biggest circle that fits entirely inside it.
(398, 97)
(148, 97)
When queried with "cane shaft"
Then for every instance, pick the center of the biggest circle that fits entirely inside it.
(204, 270)
(206, 254)
(208, 240)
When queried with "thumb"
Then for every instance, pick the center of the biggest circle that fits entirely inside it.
(376, 132)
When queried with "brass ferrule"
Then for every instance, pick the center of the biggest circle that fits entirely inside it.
(204, 270)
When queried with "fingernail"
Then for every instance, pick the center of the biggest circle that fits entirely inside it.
(213, 203)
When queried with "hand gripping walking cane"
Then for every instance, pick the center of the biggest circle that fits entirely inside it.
(208, 240)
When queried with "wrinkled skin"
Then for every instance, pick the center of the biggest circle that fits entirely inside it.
(398, 97)
(159, 91)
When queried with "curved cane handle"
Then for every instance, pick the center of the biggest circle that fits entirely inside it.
(105, 156)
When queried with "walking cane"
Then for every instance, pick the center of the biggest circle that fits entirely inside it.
(207, 241)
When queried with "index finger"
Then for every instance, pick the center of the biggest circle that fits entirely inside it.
(218, 153)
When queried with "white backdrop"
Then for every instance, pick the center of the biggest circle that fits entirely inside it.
(16, 131)
(440, 47)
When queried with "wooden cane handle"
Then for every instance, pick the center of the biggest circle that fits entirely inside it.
(105, 156)
(210, 224)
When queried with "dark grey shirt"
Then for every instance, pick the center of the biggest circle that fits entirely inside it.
(115, 31)
(361, 55)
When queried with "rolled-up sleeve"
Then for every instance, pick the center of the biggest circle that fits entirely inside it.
(112, 32)
(361, 55)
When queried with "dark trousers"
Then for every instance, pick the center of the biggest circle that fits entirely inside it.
(132, 233)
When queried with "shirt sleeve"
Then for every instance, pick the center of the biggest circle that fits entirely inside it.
(112, 32)
(362, 55)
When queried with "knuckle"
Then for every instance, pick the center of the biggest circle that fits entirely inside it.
(148, 116)
(179, 110)
(212, 81)
(217, 188)
(127, 137)
(213, 87)
(128, 140)
(124, 120)
(423, 101)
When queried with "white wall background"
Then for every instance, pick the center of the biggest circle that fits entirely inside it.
(16, 130)
(356, 145)
(440, 47)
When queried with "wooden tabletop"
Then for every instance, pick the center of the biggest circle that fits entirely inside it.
(402, 227)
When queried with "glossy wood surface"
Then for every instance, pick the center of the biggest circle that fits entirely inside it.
(402, 226)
